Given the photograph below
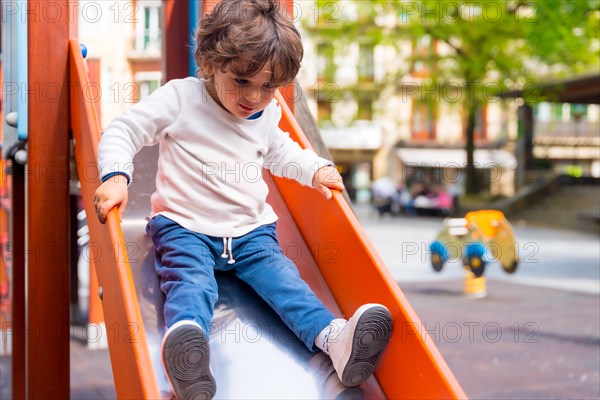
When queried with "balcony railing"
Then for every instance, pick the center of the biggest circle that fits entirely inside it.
(570, 129)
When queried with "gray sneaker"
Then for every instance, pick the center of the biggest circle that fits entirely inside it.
(355, 346)
(186, 356)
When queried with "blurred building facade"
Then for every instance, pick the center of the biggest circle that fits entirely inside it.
(126, 37)
(568, 135)
(377, 115)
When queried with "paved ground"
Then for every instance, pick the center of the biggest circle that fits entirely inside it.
(91, 375)
(520, 342)
(535, 336)
(537, 333)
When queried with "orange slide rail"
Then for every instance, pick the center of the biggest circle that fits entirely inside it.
(412, 367)
(132, 367)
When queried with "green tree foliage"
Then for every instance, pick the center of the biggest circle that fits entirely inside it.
(491, 46)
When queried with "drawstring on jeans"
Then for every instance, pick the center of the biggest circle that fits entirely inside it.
(227, 246)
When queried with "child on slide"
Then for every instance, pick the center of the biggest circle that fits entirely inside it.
(209, 211)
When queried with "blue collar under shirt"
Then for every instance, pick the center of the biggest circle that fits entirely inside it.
(255, 115)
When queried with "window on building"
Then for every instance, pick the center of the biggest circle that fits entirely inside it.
(542, 112)
(325, 63)
(558, 111)
(147, 82)
(366, 71)
(423, 49)
(578, 111)
(365, 109)
(149, 26)
(147, 87)
(324, 111)
(423, 121)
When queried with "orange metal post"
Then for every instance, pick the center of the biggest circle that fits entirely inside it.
(48, 201)
(95, 315)
(73, 21)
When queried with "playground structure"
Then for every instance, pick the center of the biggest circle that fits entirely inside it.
(322, 237)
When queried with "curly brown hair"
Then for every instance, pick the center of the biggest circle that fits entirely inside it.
(246, 35)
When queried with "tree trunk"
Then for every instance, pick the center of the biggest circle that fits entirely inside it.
(471, 185)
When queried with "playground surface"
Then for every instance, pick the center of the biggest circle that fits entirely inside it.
(535, 335)
(520, 342)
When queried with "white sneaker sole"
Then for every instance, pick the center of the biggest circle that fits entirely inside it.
(370, 337)
(186, 357)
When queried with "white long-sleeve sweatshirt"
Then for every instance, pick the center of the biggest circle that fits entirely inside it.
(210, 162)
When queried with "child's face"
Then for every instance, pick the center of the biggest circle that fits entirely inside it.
(241, 96)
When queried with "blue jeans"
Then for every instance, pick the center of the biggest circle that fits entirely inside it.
(186, 261)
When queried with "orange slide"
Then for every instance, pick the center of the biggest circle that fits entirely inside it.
(253, 354)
